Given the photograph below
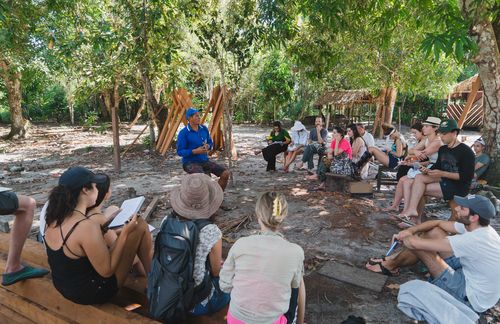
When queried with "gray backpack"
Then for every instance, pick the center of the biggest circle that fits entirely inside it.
(171, 287)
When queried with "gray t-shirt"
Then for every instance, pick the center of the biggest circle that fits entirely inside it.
(485, 160)
(313, 134)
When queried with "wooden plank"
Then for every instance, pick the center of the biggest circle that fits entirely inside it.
(41, 291)
(10, 316)
(184, 104)
(31, 311)
(151, 207)
(355, 276)
(470, 100)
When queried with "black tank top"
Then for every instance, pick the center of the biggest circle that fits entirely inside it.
(76, 279)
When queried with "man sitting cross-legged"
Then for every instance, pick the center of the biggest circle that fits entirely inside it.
(193, 144)
(316, 145)
(450, 175)
(466, 264)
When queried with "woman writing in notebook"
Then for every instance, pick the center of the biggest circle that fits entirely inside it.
(84, 269)
(106, 215)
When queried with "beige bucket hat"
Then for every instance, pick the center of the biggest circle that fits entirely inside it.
(198, 197)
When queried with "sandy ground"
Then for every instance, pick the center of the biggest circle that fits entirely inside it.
(329, 226)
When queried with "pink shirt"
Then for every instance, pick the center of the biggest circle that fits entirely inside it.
(344, 145)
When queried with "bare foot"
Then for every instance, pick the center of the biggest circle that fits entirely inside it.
(391, 209)
(312, 177)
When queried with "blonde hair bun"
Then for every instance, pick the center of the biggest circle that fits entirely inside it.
(271, 209)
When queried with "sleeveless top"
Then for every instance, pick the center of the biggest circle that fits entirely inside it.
(433, 158)
(76, 279)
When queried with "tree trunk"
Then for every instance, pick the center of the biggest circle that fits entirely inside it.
(228, 124)
(139, 112)
(12, 80)
(161, 116)
(112, 101)
(389, 103)
(487, 60)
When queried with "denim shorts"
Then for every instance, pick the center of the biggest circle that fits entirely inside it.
(452, 280)
(9, 202)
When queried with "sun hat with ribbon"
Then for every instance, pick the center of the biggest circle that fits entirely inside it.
(198, 197)
(433, 121)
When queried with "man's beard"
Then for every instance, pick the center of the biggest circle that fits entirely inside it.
(464, 220)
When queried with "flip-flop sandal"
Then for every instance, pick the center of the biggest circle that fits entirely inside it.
(27, 272)
(372, 261)
(406, 219)
(404, 225)
(385, 271)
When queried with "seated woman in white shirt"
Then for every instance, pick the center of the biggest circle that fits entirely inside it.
(299, 140)
(263, 272)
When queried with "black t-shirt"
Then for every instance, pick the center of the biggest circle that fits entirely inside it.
(459, 159)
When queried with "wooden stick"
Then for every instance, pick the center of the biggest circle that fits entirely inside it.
(470, 100)
(135, 140)
(151, 207)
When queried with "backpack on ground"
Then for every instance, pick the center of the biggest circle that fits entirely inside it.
(171, 287)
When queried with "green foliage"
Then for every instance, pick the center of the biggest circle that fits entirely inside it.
(91, 119)
(146, 140)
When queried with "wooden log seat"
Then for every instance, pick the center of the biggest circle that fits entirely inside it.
(337, 182)
(37, 301)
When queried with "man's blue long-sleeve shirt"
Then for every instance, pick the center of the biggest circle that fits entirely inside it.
(189, 139)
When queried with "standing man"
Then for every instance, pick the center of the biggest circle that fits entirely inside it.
(369, 140)
(193, 144)
(23, 207)
(452, 173)
(465, 263)
(316, 145)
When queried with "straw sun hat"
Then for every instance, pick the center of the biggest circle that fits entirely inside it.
(198, 197)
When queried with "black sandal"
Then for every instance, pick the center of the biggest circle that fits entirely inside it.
(371, 262)
(385, 271)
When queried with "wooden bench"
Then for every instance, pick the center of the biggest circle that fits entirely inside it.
(383, 178)
(37, 300)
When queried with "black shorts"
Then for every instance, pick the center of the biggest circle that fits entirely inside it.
(9, 202)
(207, 167)
(450, 189)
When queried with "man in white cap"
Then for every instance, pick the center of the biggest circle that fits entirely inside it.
(465, 263)
(299, 136)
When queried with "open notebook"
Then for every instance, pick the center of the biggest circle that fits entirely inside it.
(129, 207)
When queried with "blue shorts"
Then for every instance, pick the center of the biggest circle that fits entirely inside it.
(452, 280)
(393, 161)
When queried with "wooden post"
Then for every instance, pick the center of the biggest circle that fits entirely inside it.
(470, 100)
(116, 129)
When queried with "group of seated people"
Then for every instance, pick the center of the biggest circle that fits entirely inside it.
(90, 262)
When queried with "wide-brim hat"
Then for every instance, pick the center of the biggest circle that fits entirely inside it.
(448, 125)
(198, 197)
(432, 121)
(298, 126)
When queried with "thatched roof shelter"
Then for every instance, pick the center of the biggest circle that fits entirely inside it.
(465, 85)
(344, 97)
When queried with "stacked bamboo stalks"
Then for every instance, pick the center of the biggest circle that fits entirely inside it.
(215, 127)
(177, 113)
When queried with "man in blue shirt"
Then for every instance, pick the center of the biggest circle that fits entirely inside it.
(193, 144)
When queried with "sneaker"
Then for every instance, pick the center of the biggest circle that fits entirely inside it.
(27, 272)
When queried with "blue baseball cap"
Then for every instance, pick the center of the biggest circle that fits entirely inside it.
(190, 112)
(76, 177)
(479, 204)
